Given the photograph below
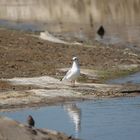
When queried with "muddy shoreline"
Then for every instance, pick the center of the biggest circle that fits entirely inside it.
(25, 55)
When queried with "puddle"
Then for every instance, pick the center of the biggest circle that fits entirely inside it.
(20, 26)
(106, 119)
(134, 79)
(109, 40)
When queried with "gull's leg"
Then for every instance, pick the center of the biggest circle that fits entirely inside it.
(73, 83)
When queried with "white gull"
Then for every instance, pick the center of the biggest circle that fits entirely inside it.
(73, 73)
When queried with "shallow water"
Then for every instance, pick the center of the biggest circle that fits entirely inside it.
(133, 78)
(25, 26)
(121, 18)
(105, 119)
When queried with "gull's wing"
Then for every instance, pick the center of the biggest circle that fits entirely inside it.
(67, 74)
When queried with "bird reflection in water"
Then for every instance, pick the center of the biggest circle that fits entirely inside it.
(75, 115)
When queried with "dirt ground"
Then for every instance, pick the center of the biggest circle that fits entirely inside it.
(22, 54)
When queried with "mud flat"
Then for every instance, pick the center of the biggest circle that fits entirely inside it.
(26, 55)
(30, 69)
(45, 90)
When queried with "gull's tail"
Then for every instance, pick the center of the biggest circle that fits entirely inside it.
(63, 79)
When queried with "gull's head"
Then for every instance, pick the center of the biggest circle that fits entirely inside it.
(74, 58)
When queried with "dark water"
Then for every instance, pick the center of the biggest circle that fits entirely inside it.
(25, 26)
(106, 119)
(134, 78)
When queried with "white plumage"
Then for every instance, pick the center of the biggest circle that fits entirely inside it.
(74, 72)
